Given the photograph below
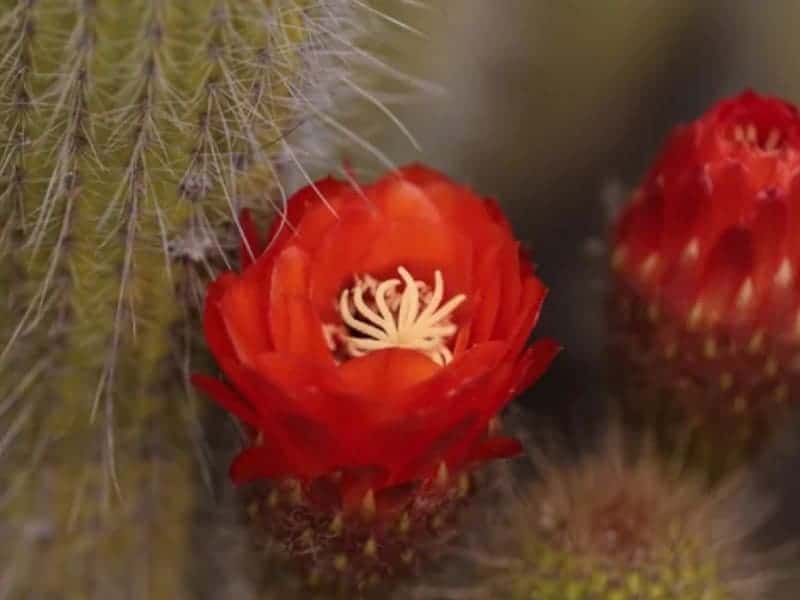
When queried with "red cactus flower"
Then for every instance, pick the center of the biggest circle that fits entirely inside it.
(371, 341)
(706, 257)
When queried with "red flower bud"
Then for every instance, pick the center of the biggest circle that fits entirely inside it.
(706, 259)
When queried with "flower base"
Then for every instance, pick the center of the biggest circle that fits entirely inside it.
(356, 549)
(717, 394)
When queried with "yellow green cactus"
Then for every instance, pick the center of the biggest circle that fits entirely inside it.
(133, 133)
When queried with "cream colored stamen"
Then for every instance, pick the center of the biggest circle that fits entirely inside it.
(411, 318)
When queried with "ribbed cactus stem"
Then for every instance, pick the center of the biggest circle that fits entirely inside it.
(133, 132)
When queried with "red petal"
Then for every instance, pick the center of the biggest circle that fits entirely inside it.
(422, 248)
(496, 214)
(354, 247)
(267, 400)
(534, 362)
(685, 213)
(294, 373)
(402, 200)
(464, 370)
(385, 373)
(316, 223)
(302, 406)
(769, 240)
(484, 404)
(450, 430)
(512, 299)
(458, 204)
(318, 448)
(242, 311)
(793, 225)
(426, 450)
(339, 258)
(530, 306)
(314, 389)
(296, 328)
(322, 194)
(213, 324)
(488, 287)
(423, 176)
(441, 419)
(466, 212)
(729, 263)
(731, 196)
(300, 439)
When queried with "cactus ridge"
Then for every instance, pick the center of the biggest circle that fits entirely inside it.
(133, 133)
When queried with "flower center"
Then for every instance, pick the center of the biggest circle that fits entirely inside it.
(379, 314)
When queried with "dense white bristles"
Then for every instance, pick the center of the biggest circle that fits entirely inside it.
(617, 513)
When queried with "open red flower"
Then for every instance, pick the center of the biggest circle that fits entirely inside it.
(706, 259)
(375, 335)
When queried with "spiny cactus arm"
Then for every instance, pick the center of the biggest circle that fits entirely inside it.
(16, 32)
(15, 94)
(134, 131)
(116, 126)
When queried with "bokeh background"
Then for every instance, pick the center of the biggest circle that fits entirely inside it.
(556, 107)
